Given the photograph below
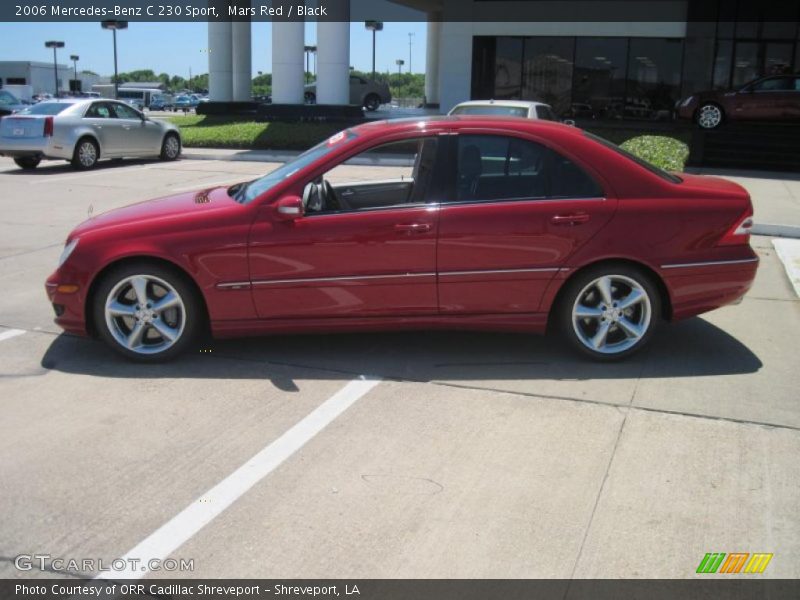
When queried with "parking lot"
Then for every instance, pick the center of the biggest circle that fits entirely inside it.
(397, 455)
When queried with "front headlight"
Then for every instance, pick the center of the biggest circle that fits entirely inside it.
(686, 102)
(68, 249)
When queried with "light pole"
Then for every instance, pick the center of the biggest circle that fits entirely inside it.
(373, 26)
(410, 37)
(113, 26)
(55, 46)
(75, 58)
(399, 62)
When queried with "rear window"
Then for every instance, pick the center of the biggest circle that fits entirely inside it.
(641, 162)
(497, 111)
(45, 108)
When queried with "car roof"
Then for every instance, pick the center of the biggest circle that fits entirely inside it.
(511, 103)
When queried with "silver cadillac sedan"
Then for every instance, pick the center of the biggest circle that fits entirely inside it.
(83, 131)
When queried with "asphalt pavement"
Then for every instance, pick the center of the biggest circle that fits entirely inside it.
(413, 454)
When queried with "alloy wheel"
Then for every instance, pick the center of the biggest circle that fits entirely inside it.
(710, 116)
(172, 147)
(145, 314)
(611, 314)
(87, 154)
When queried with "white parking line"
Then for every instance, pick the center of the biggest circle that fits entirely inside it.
(43, 179)
(7, 335)
(170, 536)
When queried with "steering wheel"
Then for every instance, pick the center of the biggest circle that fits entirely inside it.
(331, 199)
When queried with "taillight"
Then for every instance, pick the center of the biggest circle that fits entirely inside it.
(48, 127)
(740, 232)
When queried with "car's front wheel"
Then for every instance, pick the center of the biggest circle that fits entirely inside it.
(709, 116)
(610, 312)
(171, 147)
(310, 98)
(372, 102)
(28, 162)
(146, 312)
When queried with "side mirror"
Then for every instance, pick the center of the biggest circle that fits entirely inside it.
(289, 208)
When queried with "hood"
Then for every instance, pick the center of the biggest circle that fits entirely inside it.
(180, 210)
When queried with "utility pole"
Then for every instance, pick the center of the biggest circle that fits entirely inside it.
(399, 62)
(410, 38)
(373, 26)
(75, 58)
(113, 26)
(55, 46)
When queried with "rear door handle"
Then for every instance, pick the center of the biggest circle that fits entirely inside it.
(573, 219)
(413, 227)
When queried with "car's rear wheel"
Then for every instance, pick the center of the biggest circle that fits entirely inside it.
(372, 102)
(146, 312)
(310, 98)
(610, 312)
(28, 162)
(709, 115)
(171, 147)
(86, 154)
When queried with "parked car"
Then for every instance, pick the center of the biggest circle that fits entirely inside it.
(185, 103)
(508, 224)
(10, 104)
(775, 98)
(84, 131)
(162, 102)
(134, 102)
(506, 108)
(363, 92)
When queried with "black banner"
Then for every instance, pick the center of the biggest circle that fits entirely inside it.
(736, 587)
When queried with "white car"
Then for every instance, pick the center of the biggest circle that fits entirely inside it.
(506, 108)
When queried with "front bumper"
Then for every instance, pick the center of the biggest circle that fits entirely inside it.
(68, 300)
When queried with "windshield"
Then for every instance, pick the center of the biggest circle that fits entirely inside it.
(257, 187)
(46, 108)
(507, 111)
(642, 163)
(7, 98)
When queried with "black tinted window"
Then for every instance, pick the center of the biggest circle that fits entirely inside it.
(508, 168)
(45, 108)
(544, 113)
(99, 110)
(775, 84)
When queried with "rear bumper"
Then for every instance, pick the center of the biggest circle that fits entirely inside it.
(696, 288)
(40, 147)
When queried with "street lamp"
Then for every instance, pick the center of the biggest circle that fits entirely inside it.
(54, 45)
(410, 37)
(399, 62)
(373, 26)
(113, 26)
(309, 50)
(75, 58)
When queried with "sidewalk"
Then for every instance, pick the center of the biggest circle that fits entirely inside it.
(776, 196)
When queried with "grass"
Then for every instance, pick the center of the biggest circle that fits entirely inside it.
(666, 151)
(225, 132)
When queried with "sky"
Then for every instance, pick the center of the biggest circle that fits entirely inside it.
(175, 48)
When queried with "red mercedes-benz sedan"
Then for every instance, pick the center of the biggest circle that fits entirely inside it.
(457, 222)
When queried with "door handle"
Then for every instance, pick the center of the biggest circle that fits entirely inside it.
(573, 219)
(347, 193)
(413, 227)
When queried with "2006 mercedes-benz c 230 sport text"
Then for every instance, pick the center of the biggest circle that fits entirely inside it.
(482, 223)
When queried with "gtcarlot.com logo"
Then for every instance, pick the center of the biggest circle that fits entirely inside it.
(47, 562)
(735, 562)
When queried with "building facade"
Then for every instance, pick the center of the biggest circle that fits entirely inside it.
(41, 77)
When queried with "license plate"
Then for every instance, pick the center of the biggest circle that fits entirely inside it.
(18, 131)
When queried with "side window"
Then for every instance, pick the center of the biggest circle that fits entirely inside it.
(544, 113)
(98, 110)
(773, 85)
(125, 112)
(390, 175)
(494, 168)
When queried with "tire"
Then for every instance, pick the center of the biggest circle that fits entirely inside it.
(171, 147)
(372, 102)
(609, 331)
(28, 162)
(310, 98)
(709, 116)
(86, 154)
(138, 330)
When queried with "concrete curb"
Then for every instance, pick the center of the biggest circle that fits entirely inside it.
(784, 231)
(788, 252)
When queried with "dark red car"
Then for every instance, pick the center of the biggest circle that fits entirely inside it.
(471, 223)
(775, 98)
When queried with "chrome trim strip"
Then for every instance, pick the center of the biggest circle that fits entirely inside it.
(345, 278)
(234, 285)
(494, 271)
(710, 263)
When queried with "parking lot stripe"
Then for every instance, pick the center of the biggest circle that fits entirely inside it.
(7, 335)
(86, 175)
(170, 536)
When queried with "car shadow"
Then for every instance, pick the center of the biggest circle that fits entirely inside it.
(686, 349)
(56, 167)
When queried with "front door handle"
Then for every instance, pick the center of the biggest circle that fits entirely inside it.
(413, 227)
(572, 219)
